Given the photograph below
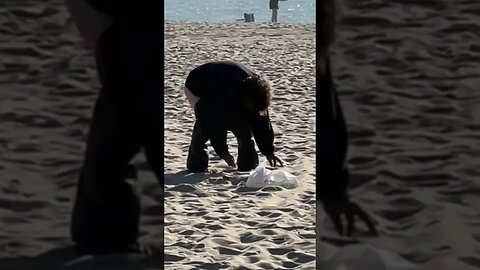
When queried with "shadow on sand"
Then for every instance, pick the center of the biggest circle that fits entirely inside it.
(68, 258)
(184, 177)
(212, 177)
(184, 181)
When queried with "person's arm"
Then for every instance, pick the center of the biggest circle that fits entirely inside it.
(211, 119)
(218, 139)
(263, 133)
(332, 171)
(333, 175)
(332, 140)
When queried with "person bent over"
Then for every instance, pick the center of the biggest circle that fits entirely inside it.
(228, 96)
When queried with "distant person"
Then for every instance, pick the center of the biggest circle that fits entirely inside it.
(127, 117)
(274, 8)
(228, 96)
(332, 141)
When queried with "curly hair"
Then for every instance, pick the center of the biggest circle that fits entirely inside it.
(257, 90)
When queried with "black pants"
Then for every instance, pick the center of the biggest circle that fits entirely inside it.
(128, 115)
(197, 160)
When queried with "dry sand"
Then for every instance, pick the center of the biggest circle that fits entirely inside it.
(408, 77)
(210, 223)
(48, 86)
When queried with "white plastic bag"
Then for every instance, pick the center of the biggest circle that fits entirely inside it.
(258, 177)
(262, 177)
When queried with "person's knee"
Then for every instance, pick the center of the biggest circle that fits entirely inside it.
(246, 143)
(199, 150)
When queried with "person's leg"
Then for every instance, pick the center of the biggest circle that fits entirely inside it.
(274, 8)
(153, 132)
(197, 160)
(147, 67)
(247, 155)
(135, 71)
(106, 211)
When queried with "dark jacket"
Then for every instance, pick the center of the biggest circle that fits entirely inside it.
(145, 15)
(217, 84)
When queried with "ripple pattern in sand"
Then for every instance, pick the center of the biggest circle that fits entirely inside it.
(47, 89)
(210, 223)
(408, 76)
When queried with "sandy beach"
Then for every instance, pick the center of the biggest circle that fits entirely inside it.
(212, 223)
(48, 88)
(406, 74)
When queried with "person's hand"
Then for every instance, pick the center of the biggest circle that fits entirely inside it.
(272, 159)
(229, 159)
(335, 208)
